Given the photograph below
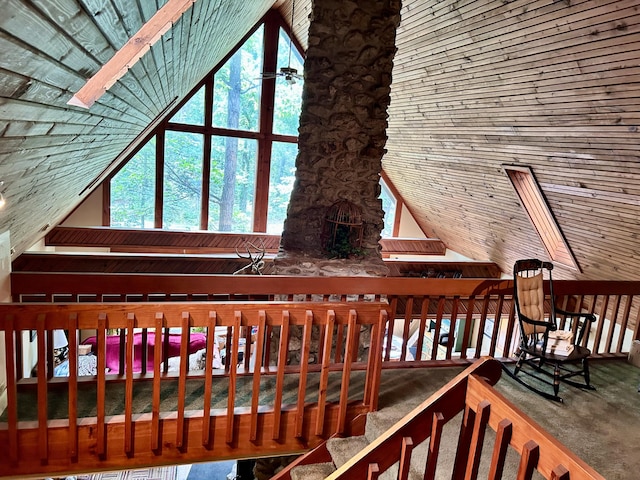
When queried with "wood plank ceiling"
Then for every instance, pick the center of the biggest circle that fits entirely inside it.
(51, 152)
(477, 84)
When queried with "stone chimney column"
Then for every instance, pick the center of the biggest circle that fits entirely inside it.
(342, 132)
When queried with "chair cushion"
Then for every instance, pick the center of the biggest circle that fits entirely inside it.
(531, 299)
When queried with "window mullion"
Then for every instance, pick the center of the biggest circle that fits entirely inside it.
(206, 154)
(270, 61)
(159, 176)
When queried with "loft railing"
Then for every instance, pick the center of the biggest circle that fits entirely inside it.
(428, 322)
(139, 412)
(431, 320)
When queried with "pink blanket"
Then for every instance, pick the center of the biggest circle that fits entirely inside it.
(197, 341)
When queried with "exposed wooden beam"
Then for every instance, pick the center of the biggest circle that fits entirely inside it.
(130, 53)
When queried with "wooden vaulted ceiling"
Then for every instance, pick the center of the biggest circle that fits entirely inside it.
(477, 84)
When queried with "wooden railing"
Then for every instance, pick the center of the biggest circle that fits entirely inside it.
(267, 402)
(426, 322)
(422, 311)
(483, 407)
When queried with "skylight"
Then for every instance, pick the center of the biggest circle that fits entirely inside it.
(535, 205)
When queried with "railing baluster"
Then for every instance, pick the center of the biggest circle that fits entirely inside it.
(466, 334)
(128, 395)
(282, 363)
(101, 341)
(346, 371)
(560, 472)
(390, 327)
(437, 425)
(424, 312)
(592, 309)
(405, 458)
(436, 332)
(453, 320)
(477, 439)
(374, 364)
(182, 378)
(247, 347)
(156, 441)
(324, 373)
(481, 325)
(72, 328)
(624, 323)
(232, 360)
(42, 341)
(373, 471)
(408, 314)
(464, 443)
(508, 336)
(208, 379)
(165, 348)
(257, 372)
(497, 319)
(603, 315)
(528, 460)
(636, 331)
(302, 377)
(12, 387)
(500, 447)
(612, 324)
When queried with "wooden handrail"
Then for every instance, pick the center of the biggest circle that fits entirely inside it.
(109, 439)
(423, 302)
(470, 392)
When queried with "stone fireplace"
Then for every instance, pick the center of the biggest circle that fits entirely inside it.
(342, 136)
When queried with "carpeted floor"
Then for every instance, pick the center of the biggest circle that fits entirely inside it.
(601, 426)
(57, 400)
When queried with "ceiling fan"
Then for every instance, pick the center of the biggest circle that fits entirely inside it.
(289, 73)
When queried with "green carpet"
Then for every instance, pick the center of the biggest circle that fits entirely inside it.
(57, 399)
(601, 426)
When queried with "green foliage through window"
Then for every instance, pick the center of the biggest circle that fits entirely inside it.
(133, 190)
(225, 174)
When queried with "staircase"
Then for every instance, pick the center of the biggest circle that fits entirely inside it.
(343, 449)
(449, 430)
(416, 387)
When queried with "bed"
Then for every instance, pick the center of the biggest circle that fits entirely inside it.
(87, 364)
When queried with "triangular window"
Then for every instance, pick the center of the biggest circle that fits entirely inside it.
(218, 164)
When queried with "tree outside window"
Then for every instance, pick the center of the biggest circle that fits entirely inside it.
(214, 156)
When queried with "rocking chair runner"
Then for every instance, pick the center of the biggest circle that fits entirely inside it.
(537, 357)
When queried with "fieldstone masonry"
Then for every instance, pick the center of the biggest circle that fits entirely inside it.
(342, 133)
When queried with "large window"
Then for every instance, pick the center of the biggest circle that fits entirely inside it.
(216, 148)
(219, 163)
(389, 204)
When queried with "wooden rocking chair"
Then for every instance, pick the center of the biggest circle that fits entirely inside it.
(546, 353)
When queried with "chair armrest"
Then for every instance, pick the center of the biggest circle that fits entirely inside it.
(588, 316)
(549, 324)
(582, 328)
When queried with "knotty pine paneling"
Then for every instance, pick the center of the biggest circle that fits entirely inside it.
(476, 84)
(49, 151)
(548, 84)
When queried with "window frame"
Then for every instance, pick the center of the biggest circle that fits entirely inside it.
(272, 23)
(540, 214)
